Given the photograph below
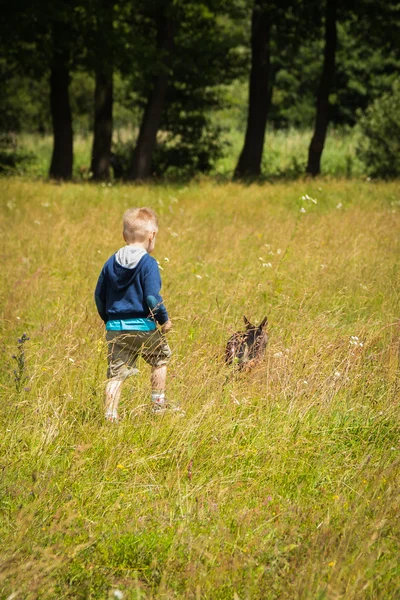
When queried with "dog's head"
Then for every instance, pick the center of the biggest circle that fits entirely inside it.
(256, 338)
(247, 347)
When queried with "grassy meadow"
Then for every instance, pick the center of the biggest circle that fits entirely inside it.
(279, 483)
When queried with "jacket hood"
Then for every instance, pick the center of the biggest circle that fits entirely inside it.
(125, 266)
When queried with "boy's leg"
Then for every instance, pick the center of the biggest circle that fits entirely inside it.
(122, 355)
(158, 383)
(157, 353)
(113, 394)
(158, 378)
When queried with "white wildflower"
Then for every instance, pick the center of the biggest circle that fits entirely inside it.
(337, 374)
(339, 205)
(307, 197)
(355, 341)
(268, 264)
(302, 210)
(278, 354)
(279, 251)
(166, 259)
(199, 277)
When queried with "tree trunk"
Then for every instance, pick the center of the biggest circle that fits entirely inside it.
(103, 54)
(62, 157)
(103, 122)
(146, 143)
(249, 164)
(328, 72)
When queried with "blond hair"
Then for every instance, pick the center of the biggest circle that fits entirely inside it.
(137, 222)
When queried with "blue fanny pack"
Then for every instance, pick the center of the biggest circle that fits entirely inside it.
(131, 325)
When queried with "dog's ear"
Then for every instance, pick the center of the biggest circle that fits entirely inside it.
(263, 323)
(247, 323)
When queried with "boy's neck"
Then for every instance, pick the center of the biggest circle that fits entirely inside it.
(146, 246)
(138, 245)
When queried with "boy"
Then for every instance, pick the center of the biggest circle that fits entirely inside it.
(128, 300)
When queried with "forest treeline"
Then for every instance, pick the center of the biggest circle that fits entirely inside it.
(165, 68)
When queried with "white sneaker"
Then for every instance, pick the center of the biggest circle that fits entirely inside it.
(158, 408)
(112, 416)
(177, 410)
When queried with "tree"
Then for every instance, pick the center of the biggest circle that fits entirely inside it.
(325, 86)
(189, 51)
(208, 55)
(62, 156)
(277, 31)
(259, 92)
(146, 143)
(102, 56)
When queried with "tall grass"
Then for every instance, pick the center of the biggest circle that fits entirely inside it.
(278, 483)
(285, 153)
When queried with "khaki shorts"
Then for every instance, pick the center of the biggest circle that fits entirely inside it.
(124, 348)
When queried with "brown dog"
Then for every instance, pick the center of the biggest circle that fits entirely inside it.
(246, 348)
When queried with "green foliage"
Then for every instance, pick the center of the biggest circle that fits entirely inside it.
(193, 147)
(205, 57)
(365, 69)
(208, 74)
(24, 103)
(379, 146)
(363, 73)
(14, 158)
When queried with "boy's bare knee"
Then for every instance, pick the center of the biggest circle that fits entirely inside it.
(159, 368)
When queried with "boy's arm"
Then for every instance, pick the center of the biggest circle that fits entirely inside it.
(166, 327)
(100, 296)
(151, 289)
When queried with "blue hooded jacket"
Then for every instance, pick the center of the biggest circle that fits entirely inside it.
(129, 288)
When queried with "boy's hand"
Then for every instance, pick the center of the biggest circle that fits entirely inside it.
(166, 327)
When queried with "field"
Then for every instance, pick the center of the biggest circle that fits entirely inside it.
(278, 483)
